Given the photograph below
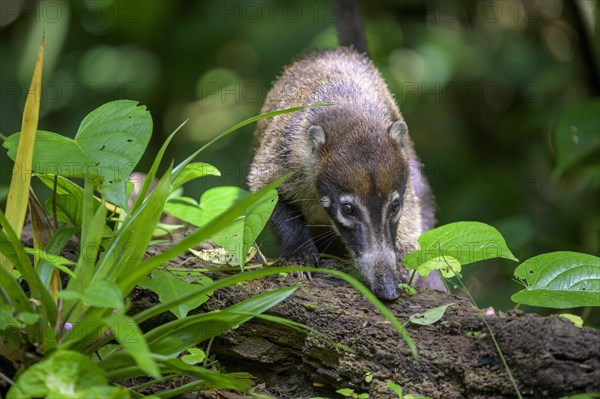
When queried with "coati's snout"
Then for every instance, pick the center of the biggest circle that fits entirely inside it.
(369, 234)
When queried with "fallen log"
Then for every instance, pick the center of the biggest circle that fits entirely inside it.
(548, 356)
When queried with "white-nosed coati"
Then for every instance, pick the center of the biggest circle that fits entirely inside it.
(352, 167)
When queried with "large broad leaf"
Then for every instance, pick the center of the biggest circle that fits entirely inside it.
(238, 237)
(65, 374)
(576, 135)
(559, 280)
(168, 286)
(186, 209)
(109, 143)
(466, 242)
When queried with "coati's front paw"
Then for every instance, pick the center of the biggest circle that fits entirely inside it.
(308, 258)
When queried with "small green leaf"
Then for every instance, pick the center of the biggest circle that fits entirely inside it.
(368, 377)
(168, 286)
(467, 242)
(347, 392)
(195, 356)
(397, 389)
(447, 265)
(28, 318)
(578, 321)
(193, 171)
(429, 317)
(559, 280)
(103, 294)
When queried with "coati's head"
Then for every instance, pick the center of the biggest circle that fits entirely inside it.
(361, 178)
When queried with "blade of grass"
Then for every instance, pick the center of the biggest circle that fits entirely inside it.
(8, 241)
(152, 172)
(18, 192)
(248, 121)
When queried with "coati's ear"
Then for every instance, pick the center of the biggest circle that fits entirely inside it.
(316, 136)
(399, 132)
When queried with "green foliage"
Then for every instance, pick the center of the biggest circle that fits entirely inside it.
(109, 143)
(349, 393)
(168, 286)
(576, 135)
(397, 389)
(110, 265)
(431, 316)
(65, 374)
(559, 280)
(240, 235)
(467, 242)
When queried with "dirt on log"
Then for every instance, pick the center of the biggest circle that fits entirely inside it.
(548, 356)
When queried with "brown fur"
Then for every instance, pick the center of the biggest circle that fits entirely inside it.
(358, 152)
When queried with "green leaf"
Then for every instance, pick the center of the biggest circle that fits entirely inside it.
(347, 392)
(168, 286)
(28, 318)
(109, 143)
(195, 356)
(585, 395)
(103, 294)
(69, 200)
(576, 320)
(65, 374)
(576, 135)
(186, 209)
(12, 292)
(430, 317)
(13, 249)
(239, 236)
(217, 200)
(114, 137)
(193, 171)
(57, 242)
(177, 170)
(559, 280)
(117, 193)
(467, 242)
(397, 389)
(56, 261)
(447, 265)
(129, 334)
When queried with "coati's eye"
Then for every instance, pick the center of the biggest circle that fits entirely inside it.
(348, 209)
(395, 206)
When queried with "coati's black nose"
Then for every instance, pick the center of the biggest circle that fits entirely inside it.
(385, 285)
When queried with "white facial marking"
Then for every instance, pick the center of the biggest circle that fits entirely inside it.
(326, 201)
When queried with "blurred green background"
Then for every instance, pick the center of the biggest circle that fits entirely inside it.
(480, 83)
